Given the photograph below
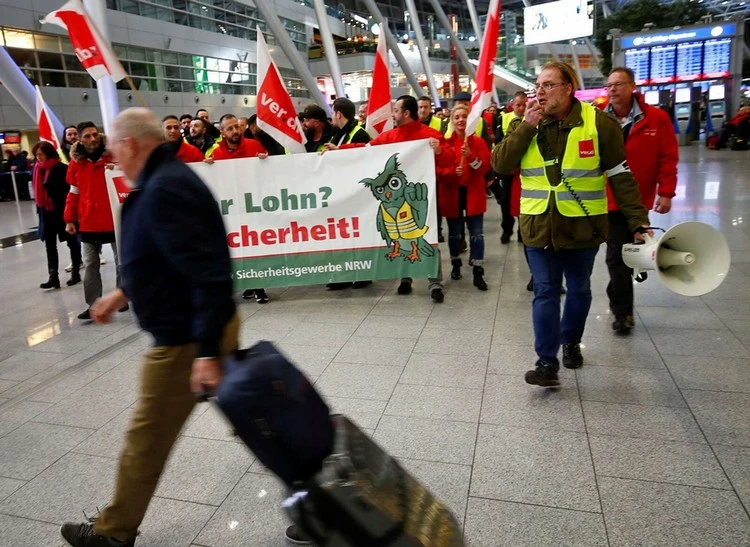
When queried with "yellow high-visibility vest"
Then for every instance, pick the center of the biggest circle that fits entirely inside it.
(581, 169)
(403, 226)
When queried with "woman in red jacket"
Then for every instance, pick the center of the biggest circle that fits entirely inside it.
(463, 194)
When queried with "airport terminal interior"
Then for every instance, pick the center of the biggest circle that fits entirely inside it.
(647, 444)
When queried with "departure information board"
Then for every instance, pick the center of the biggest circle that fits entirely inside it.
(663, 64)
(716, 57)
(637, 61)
(689, 61)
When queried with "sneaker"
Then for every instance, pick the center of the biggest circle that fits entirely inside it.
(260, 296)
(85, 315)
(437, 295)
(505, 238)
(102, 260)
(572, 357)
(361, 284)
(69, 267)
(82, 535)
(404, 287)
(543, 375)
(294, 535)
(621, 326)
(248, 294)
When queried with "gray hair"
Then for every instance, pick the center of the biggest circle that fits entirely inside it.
(140, 124)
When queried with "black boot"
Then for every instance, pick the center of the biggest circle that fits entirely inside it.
(52, 283)
(456, 272)
(75, 276)
(479, 282)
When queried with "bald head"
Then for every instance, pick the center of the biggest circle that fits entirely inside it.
(136, 134)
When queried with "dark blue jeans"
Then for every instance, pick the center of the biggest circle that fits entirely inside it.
(475, 223)
(548, 267)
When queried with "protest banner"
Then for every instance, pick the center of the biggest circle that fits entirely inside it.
(306, 219)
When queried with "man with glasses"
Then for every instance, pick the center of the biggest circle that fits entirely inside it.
(652, 152)
(566, 151)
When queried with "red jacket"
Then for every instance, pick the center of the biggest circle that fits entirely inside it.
(652, 153)
(475, 167)
(412, 131)
(88, 201)
(248, 148)
(189, 153)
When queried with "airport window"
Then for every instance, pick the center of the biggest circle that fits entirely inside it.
(49, 60)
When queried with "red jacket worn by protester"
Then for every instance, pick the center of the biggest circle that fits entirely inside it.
(412, 131)
(652, 152)
(248, 148)
(475, 167)
(88, 201)
(188, 153)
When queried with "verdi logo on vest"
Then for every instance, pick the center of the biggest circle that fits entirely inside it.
(586, 149)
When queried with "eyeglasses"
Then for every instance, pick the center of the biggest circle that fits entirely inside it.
(547, 86)
(616, 85)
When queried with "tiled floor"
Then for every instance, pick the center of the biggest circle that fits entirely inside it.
(648, 444)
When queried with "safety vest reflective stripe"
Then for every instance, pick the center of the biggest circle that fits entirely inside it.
(580, 170)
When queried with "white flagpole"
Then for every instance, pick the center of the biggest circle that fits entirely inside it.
(106, 89)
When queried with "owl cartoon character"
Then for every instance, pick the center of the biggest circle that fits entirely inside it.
(402, 215)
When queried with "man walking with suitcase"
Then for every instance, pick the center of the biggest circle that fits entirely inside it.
(176, 272)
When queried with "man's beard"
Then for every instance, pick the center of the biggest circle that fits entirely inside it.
(310, 134)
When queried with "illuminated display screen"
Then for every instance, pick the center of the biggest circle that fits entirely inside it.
(716, 57)
(637, 61)
(651, 97)
(682, 95)
(689, 57)
(663, 63)
(716, 93)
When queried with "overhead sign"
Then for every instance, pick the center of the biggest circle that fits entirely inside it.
(555, 21)
(680, 35)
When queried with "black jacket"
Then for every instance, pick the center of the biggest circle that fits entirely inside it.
(175, 264)
(341, 136)
(51, 223)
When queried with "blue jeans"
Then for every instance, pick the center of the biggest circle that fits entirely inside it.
(547, 267)
(476, 237)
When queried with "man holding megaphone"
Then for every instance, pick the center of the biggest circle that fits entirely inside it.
(567, 150)
(652, 152)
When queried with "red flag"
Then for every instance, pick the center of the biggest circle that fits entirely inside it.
(482, 97)
(276, 113)
(93, 51)
(379, 113)
(44, 121)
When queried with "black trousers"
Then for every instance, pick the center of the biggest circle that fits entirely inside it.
(53, 261)
(500, 188)
(620, 287)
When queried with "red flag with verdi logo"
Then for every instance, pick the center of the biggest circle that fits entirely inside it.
(275, 109)
(44, 121)
(92, 49)
(482, 97)
(379, 113)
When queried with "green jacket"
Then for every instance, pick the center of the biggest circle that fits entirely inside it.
(552, 228)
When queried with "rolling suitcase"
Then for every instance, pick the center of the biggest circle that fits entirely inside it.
(362, 497)
(276, 412)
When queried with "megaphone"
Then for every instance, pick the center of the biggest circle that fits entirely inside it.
(691, 258)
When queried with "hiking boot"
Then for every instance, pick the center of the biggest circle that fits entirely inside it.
(505, 238)
(621, 326)
(75, 278)
(294, 535)
(543, 375)
(456, 271)
(479, 282)
(260, 296)
(85, 315)
(52, 283)
(82, 535)
(404, 287)
(572, 357)
(437, 295)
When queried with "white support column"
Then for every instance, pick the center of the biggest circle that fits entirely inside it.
(332, 57)
(576, 63)
(475, 20)
(423, 54)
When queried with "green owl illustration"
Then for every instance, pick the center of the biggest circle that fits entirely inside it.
(402, 215)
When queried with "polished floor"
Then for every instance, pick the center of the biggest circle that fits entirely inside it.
(648, 444)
